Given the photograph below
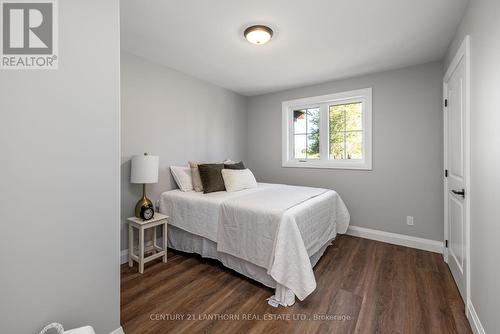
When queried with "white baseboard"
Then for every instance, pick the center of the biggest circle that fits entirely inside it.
(396, 239)
(362, 232)
(124, 256)
(476, 325)
(119, 330)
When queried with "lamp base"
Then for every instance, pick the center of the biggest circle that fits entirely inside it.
(142, 202)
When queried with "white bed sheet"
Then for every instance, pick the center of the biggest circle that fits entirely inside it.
(196, 212)
(200, 214)
(251, 225)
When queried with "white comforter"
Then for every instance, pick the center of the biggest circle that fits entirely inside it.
(277, 227)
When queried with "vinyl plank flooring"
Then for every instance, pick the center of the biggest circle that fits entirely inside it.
(364, 286)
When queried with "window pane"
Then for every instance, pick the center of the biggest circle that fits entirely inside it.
(337, 120)
(353, 117)
(337, 145)
(299, 121)
(306, 133)
(313, 133)
(354, 145)
(346, 131)
(313, 146)
(313, 120)
(300, 144)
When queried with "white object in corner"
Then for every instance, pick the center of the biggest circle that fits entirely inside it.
(119, 330)
(81, 330)
(57, 327)
(476, 325)
(396, 239)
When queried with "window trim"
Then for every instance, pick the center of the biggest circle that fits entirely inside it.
(360, 95)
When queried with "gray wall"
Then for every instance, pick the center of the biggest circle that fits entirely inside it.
(59, 184)
(407, 151)
(482, 23)
(178, 118)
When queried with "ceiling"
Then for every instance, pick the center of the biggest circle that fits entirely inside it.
(315, 40)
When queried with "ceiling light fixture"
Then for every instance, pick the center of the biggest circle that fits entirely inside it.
(258, 34)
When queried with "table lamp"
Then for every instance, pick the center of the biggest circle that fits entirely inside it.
(144, 170)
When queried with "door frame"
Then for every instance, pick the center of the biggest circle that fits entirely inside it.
(462, 53)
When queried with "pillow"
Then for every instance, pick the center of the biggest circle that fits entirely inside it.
(234, 165)
(195, 174)
(211, 177)
(238, 179)
(182, 176)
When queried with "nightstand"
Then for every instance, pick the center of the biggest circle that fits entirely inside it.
(141, 226)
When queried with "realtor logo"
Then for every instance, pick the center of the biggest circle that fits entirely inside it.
(29, 34)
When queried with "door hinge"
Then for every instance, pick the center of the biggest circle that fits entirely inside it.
(445, 173)
(445, 102)
(446, 243)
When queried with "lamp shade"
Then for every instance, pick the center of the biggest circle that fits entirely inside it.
(144, 169)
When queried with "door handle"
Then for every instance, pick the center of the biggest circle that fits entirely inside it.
(461, 192)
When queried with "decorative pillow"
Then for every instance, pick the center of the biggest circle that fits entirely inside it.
(238, 179)
(195, 174)
(211, 177)
(182, 176)
(234, 165)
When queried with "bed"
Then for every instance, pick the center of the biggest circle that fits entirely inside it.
(273, 234)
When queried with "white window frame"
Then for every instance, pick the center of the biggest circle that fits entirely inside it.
(361, 95)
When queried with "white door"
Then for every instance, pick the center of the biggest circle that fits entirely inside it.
(455, 164)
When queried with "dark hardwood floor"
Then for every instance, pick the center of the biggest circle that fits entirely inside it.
(364, 286)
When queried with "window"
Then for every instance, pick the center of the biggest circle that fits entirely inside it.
(306, 133)
(330, 131)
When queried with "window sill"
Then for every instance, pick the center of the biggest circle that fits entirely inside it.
(327, 165)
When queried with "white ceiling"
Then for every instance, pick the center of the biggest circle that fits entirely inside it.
(315, 41)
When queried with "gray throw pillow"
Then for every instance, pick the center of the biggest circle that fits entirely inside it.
(211, 177)
(237, 165)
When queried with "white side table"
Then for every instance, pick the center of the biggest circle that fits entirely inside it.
(141, 226)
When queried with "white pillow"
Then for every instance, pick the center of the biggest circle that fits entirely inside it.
(238, 179)
(182, 176)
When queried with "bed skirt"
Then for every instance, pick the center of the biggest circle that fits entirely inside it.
(190, 243)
